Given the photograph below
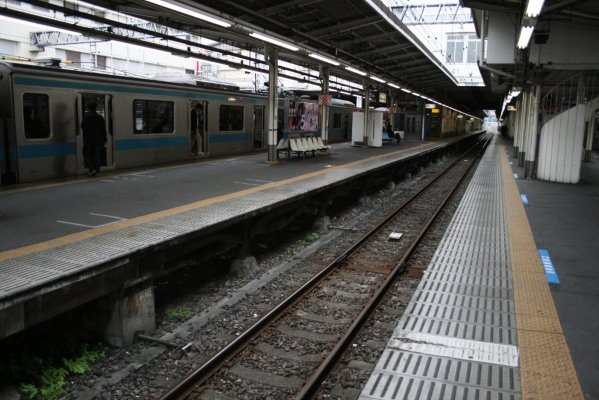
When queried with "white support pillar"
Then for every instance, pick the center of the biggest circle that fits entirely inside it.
(324, 108)
(531, 148)
(423, 123)
(517, 124)
(523, 127)
(272, 56)
(366, 114)
(588, 145)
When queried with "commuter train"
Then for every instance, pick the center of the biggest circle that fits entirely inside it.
(147, 121)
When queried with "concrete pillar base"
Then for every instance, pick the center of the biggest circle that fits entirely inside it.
(587, 155)
(272, 152)
(521, 159)
(515, 152)
(129, 311)
(529, 169)
(12, 320)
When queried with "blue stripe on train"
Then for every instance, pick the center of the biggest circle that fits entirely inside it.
(47, 150)
(148, 143)
(228, 138)
(69, 149)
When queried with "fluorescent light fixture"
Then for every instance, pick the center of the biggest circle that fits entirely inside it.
(525, 34)
(393, 85)
(190, 11)
(406, 90)
(344, 92)
(356, 71)
(274, 41)
(533, 8)
(38, 27)
(323, 58)
(376, 78)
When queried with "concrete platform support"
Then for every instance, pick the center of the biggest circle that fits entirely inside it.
(129, 311)
(12, 320)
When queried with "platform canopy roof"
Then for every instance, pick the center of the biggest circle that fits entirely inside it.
(363, 34)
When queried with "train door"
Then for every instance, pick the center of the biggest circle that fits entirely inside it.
(104, 108)
(198, 121)
(258, 127)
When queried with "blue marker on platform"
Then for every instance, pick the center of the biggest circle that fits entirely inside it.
(550, 271)
(524, 198)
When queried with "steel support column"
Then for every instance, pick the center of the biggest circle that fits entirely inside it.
(324, 108)
(272, 114)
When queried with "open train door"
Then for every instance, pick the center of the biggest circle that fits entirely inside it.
(259, 131)
(104, 108)
(198, 121)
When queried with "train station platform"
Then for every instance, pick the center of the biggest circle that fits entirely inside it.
(495, 316)
(66, 244)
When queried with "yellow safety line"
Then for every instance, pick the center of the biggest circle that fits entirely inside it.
(75, 237)
(546, 368)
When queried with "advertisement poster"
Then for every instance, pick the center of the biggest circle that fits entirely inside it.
(305, 117)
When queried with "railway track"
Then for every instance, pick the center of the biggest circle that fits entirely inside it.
(316, 323)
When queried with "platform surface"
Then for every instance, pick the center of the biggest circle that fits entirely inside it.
(57, 234)
(482, 323)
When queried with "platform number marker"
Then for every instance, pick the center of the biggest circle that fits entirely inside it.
(515, 176)
(550, 271)
(524, 198)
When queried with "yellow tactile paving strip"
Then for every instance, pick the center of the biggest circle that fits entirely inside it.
(546, 368)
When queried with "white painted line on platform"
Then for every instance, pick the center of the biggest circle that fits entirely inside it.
(107, 216)
(76, 224)
(247, 183)
(93, 226)
(258, 180)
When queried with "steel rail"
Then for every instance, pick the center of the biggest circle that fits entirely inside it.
(315, 380)
(184, 387)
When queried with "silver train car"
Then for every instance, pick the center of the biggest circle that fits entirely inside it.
(148, 122)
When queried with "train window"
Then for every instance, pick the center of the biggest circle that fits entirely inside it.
(230, 118)
(151, 116)
(36, 115)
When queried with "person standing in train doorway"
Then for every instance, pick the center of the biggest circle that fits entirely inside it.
(197, 129)
(94, 138)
